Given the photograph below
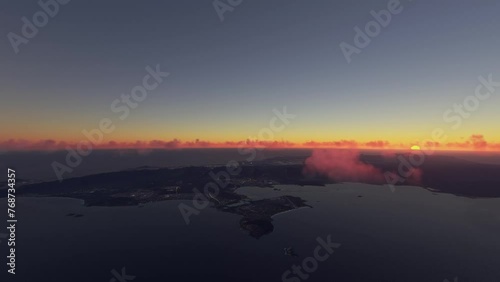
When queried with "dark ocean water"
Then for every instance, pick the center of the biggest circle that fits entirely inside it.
(409, 235)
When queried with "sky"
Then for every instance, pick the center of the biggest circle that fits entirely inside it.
(228, 77)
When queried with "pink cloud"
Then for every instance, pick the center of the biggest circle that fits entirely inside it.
(342, 166)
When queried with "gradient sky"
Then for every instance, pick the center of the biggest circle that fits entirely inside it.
(226, 77)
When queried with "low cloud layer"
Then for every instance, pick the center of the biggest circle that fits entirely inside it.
(345, 165)
(475, 142)
(342, 166)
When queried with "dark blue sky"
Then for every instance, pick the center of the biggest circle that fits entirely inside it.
(226, 77)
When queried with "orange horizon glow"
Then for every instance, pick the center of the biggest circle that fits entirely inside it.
(475, 143)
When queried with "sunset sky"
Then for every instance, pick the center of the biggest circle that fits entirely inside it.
(226, 77)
